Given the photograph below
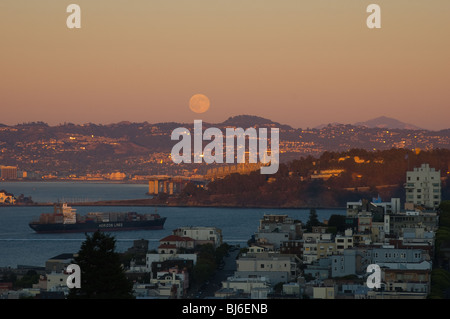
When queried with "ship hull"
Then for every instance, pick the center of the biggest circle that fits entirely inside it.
(94, 226)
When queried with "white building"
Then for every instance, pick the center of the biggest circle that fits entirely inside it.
(248, 285)
(201, 235)
(151, 258)
(423, 186)
(56, 280)
(272, 266)
(344, 242)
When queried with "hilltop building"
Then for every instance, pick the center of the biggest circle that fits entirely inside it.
(423, 187)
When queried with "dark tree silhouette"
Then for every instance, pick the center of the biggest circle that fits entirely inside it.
(313, 220)
(102, 275)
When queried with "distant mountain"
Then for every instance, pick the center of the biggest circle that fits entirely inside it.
(321, 126)
(387, 122)
(245, 121)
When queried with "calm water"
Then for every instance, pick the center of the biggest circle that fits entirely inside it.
(20, 245)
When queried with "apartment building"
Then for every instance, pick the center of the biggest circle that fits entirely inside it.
(276, 267)
(423, 186)
(276, 229)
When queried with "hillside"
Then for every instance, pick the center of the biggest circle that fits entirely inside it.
(144, 148)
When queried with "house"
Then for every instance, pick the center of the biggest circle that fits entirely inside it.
(325, 290)
(57, 281)
(201, 235)
(276, 229)
(317, 245)
(319, 269)
(292, 247)
(171, 284)
(59, 263)
(413, 281)
(172, 244)
(247, 286)
(159, 258)
(254, 249)
(344, 264)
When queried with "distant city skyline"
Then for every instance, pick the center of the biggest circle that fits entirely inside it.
(298, 63)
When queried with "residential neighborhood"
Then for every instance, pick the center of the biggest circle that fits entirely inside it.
(286, 258)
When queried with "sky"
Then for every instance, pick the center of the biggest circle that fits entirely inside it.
(301, 63)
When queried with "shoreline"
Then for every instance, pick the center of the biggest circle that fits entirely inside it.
(148, 203)
(76, 181)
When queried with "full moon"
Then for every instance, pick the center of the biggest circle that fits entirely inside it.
(199, 103)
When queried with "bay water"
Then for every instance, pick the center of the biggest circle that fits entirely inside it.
(20, 245)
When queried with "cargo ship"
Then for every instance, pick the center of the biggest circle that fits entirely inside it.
(65, 219)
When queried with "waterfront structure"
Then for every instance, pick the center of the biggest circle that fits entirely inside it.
(7, 198)
(423, 187)
(171, 184)
(8, 172)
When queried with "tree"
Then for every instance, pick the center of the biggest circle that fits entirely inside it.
(313, 220)
(102, 275)
(27, 281)
(337, 221)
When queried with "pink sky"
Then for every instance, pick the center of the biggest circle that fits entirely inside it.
(301, 63)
